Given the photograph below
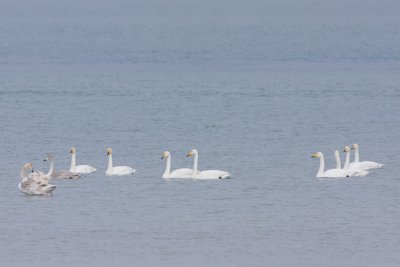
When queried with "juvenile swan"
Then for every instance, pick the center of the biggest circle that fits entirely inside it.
(34, 183)
(332, 173)
(362, 165)
(59, 174)
(178, 173)
(79, 168)
(208, 174)
(119, 170)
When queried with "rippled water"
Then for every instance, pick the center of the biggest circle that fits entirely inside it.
(256, 88)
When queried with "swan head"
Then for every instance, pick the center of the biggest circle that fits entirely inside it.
(346, 149)
(165, 155)
(191, 153)
(73, 150)
(316, 155)
(354, 147)
(109, 151)
(28, 167)
(48, 157)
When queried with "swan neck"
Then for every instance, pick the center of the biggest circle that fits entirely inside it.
(51, 170)
(73, 162)
(356, 156)
(347, 162)
(321, 166)
(23, 173)
(167, 171)
(195, 165)
(110, 163)
(338, 162)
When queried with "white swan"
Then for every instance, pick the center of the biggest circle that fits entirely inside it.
(34, 184)
(332, 173)
(178, 173)
(362, 165)
(352, 171)
(209, 174)
(79, 168)
(59, 174)
(119, 170)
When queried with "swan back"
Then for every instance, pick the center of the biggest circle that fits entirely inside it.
(213, 174)
(121, 170)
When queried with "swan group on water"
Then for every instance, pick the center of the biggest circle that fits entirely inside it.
(191, 173)
(37, 183)
(356, 168)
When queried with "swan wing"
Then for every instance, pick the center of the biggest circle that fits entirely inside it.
(213, 174)
(365, 165)
(358, 173)
(372, 165)
(123, 170)
(335, 173)
(35, 189)
(84, 169)
(181, 173)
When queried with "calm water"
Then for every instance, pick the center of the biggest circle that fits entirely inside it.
(255, 87)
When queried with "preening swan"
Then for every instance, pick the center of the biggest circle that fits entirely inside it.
(79, 168)
(332, 173)
(352, 171)
(34, 183)
(59, 174)
(208, 174)
(119, 170)
(178, 173)
(362, 165)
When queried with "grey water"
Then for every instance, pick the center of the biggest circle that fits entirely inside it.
(256, 87)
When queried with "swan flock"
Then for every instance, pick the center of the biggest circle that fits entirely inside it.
(37, 183)
(356, 168)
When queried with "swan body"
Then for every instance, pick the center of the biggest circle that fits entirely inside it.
(332, 173)
(178, 173)
(352, 170)
(362, 165)
(119, 170)
(208, 174)
(59, 174)
(79, 168)
(35, 183)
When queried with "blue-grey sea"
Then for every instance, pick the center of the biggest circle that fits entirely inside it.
(255, 86)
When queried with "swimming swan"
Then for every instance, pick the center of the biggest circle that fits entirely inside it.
(178, 173)
(352, 171)
(59, 174)
(119, 170)
(33, 183)
(332, 173)
(362, 165)
(209, 174)
(79, 168)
